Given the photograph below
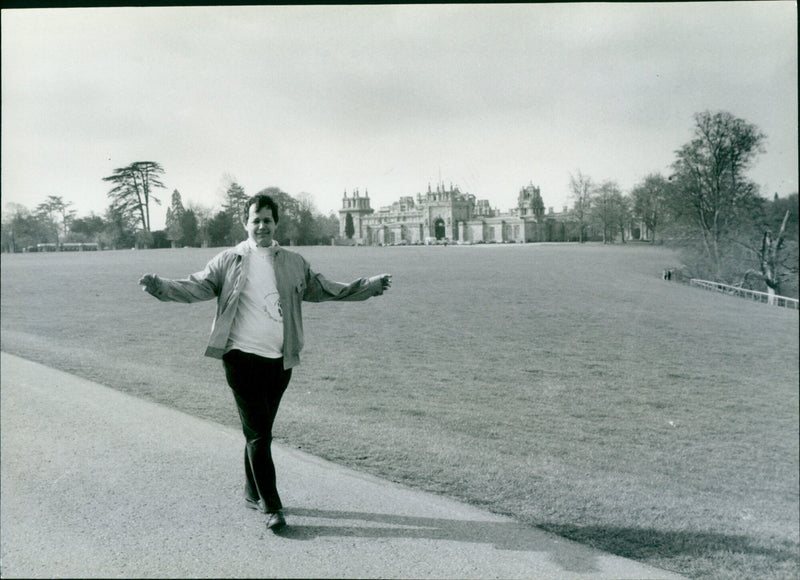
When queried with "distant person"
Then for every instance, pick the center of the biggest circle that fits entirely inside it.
(258, 331)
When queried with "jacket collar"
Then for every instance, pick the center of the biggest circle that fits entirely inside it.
(246, 247)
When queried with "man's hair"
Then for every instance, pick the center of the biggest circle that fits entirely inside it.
(260, 201)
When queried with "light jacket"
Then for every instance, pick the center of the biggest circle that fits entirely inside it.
(223, 279)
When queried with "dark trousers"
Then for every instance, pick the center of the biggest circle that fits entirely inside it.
(258, 384)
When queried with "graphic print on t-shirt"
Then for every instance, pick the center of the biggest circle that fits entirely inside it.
(272, 306)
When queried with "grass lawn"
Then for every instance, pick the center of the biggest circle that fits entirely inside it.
(568, 386)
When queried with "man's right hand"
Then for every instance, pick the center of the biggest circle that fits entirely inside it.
(150, 282)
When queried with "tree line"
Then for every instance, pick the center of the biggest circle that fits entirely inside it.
(707, 208)
(126, 221)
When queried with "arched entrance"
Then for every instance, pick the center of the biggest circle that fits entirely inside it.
(349, 227)
(438, 229)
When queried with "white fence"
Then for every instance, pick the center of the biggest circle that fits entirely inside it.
(772, 299)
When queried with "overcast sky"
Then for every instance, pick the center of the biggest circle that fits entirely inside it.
(389, 99)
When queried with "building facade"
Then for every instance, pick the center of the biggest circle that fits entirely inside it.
(448, 215)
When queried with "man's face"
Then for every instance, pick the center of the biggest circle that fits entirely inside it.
(260, 226)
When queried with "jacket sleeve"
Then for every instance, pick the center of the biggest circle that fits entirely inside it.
(203, 285)
(320, 289)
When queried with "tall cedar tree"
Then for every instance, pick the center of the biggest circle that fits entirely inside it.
(133, 190)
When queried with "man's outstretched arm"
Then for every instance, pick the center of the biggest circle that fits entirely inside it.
(195, 288)
(320, 289)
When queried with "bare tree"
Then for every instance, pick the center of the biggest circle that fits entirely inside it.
(582, 188)
(54, 208)
(204, 215)
(772, 266)
(306, 227)
(649, 201)
(710, 185)
(608, 207)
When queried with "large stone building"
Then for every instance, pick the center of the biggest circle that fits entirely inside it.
(447, 214)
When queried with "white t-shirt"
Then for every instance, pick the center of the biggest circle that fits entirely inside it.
(258, 324)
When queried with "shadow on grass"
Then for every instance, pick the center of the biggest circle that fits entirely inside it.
(640, 544)
(646, 544)
(503, 535)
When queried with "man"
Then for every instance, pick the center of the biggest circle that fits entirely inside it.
(258, 331)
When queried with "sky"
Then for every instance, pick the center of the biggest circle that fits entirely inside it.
(387, 99)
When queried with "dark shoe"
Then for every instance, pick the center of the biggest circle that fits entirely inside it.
(276, 521)
(254, 504)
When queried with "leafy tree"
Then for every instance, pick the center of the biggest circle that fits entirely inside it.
(581, 188)
(307, 233)
(219, 229)
(327, 228)
(22, 229)
(298, 220)
(610, 210)
(711, 192)
(203, 216)
(174, 223)
(55, 209)
(48, 221)
(233, 205)
(86, 229)
(157, 239)
(133, 191)
(189, 228)
(120, 229)
(649, 202)
(349, 226)
(289, 215)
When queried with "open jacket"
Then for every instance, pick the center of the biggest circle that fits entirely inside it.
(223, 279)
